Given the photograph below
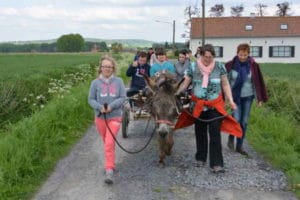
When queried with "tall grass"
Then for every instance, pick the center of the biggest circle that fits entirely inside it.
(22, 97)
(274, 128)
(32, 147)
(281, 71)
(284, 96)
(275, 135)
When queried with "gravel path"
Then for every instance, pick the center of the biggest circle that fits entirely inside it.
(80, 175)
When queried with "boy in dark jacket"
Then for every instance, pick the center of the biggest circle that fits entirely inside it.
(135, 70)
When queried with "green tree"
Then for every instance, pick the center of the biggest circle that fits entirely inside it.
(116, 47)
(103, 46)
(70, 43)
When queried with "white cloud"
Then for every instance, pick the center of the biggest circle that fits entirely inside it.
(114, 2)
(8, 11)
(35, 19)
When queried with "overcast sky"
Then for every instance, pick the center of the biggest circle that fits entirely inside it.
(22, 20)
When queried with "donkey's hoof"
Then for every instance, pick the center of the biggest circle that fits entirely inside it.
(161, 164)
(169, 152)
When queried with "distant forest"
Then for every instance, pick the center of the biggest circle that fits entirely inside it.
(89, 46)
(48, 47)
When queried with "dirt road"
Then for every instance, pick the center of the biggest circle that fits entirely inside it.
(80, 175)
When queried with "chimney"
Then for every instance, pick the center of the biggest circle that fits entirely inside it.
(252, 15)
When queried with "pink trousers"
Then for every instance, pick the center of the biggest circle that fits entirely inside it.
(108, 141)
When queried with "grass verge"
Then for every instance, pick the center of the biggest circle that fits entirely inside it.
(275, 136)
(29, 152)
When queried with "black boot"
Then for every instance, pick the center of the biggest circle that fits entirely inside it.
(230, 142)
(241, 151)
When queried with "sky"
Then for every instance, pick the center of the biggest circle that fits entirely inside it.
(23, 20)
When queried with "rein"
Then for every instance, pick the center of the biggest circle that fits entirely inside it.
(121, 147)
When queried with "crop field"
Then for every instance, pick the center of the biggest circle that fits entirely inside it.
(29, 65)
(28, 81)
(282, 71)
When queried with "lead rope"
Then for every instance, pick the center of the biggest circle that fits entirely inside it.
(121, 147)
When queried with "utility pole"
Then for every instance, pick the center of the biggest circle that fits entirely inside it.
(203, 23)
(173, 35)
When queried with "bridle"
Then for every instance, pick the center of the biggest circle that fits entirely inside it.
(165, 121)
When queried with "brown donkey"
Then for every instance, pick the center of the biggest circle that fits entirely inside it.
(161, 101)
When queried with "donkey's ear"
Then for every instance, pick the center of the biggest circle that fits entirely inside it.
(177, 85)
(149, 82)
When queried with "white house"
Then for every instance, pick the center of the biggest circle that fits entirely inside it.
(271, 39)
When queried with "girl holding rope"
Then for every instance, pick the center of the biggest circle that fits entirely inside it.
(106, 96)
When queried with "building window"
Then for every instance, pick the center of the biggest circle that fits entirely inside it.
(256, 51)
(218, 51)
(282, 51)
(283, 26)
(248, 27)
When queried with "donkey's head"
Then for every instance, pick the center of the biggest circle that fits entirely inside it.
(163, 108)
(163, 101)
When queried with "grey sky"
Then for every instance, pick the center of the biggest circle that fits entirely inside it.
(22, 20)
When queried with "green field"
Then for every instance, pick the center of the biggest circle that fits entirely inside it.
(282, 71)
(33, 138)
(26, 79)
(14, 66)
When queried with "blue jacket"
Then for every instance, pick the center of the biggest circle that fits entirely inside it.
(156, 67)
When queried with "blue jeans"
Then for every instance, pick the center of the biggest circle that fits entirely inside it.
(241, 114)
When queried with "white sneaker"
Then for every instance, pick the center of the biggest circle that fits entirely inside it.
(109, 176)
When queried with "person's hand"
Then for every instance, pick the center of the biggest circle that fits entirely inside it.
(108, 110)
(134, 64)
(233, 106)
(260, 103)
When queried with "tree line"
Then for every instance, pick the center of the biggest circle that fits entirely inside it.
(75, 43)
(283, 9)
(65, 43)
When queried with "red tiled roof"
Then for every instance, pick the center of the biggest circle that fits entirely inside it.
(235, 26)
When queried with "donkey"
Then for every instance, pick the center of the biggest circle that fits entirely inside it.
(161, 102)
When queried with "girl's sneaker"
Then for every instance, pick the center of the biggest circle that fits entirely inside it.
(109, 176)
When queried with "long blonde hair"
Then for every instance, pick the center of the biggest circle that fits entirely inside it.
(109, 58)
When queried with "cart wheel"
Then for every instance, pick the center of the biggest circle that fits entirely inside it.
(125, 122)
